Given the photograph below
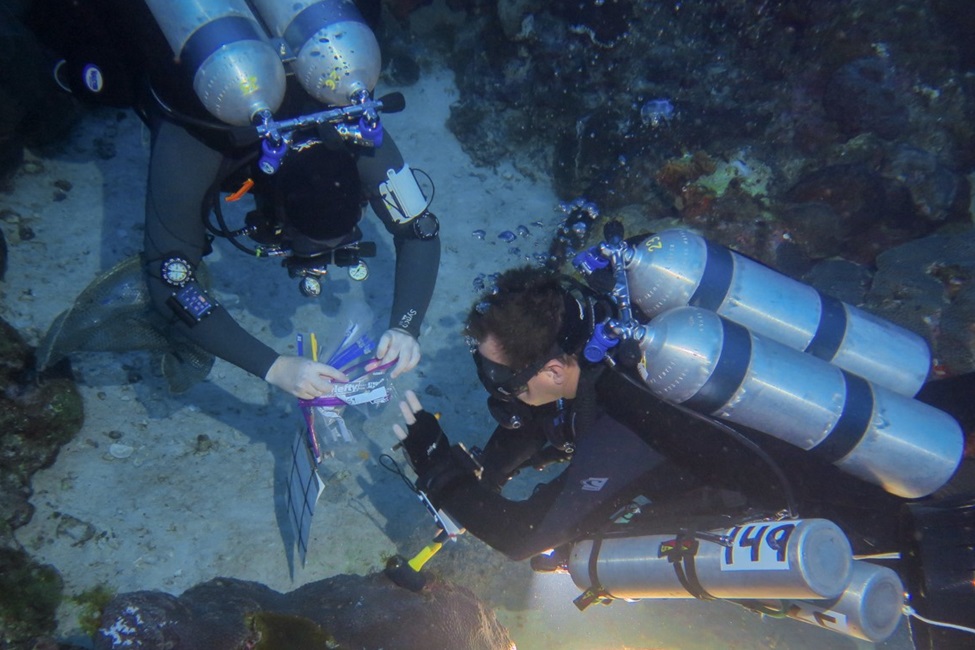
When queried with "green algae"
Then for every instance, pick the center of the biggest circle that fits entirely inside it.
(92, 603)
(275, 631)
(30, 594)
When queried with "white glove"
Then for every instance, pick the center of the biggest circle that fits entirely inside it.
(396, 345)
(303, 378)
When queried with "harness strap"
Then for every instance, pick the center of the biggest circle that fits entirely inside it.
(596, 592)
(681, 554)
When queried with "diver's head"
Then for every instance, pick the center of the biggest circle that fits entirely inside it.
(318, 199)
(526, 334)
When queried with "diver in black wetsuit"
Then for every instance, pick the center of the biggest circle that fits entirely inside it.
(309, 208)
(317, 193)
(622, 443)
(528, 335)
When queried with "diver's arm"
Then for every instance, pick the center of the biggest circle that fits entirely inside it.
(417, 260)
(181, 170)
(505, 525)
(610, 466)
(518, 529)
(417, 263)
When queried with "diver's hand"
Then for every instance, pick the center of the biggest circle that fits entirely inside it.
(395, 344)
(425, 443)
(303, 378)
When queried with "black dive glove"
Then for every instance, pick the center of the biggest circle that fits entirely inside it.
(436, 463)
(426, 444)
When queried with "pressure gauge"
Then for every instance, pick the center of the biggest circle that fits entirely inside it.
(310, 287)
(359, 272)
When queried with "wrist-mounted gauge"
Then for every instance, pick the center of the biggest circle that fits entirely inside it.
(176, 271)
(189, 300)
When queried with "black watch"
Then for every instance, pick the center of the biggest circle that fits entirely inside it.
(426, 226)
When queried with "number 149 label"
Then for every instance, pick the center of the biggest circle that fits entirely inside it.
(757, 547)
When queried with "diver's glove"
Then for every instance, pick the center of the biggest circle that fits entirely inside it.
(426, 444)
(436, 463)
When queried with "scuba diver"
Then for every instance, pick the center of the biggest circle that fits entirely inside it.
(234, 93)
(687, 446)
(549, 415)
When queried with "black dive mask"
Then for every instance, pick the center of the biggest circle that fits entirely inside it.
(501, 381)
(505, 383)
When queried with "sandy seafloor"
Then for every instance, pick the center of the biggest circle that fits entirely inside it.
(176, 513)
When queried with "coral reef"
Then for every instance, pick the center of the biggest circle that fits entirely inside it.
(37, 416)
(344, 611)
(795, 131)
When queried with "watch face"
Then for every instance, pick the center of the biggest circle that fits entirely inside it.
(359, 272)
(176, 272)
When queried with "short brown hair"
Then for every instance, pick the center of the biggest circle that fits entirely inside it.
(523, 313)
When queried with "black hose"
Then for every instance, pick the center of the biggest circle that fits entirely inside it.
(791, 503)
(212, 203)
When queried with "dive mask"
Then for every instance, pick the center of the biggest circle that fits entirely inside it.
(501, 381)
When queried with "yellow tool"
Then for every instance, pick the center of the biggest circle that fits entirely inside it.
(406, 573)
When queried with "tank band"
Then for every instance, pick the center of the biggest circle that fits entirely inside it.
(853, 423)
(314, 17)
(729, 371)
(831, 330)
(213, 35)
(716, 279)
(593, 567)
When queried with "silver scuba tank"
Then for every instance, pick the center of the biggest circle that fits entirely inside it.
(337, 55)
(236, 72)
(802, 558)
(694, 357)
(677, 267)
(869, 609)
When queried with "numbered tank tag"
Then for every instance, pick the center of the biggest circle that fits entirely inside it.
(758, 547)
(831, 620)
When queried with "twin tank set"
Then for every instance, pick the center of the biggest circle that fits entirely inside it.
(732, 339)
(236, 49)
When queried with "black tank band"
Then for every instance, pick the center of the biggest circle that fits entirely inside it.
(729, 371)
(593, 567)
(310, 20)
(831, 330)
(716, 279)
(853, 423)
(212, 36)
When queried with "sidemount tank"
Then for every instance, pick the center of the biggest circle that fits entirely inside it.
(677, 267)
(236, 72)
(870, 608)
(803, 558)
(336, 53)
(694, 357)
